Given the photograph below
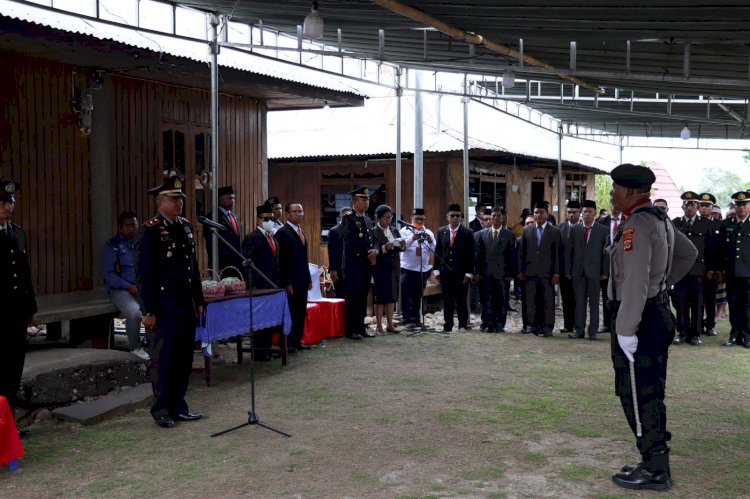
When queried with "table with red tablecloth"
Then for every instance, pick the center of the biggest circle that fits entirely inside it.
(325, 319)
(10, 445)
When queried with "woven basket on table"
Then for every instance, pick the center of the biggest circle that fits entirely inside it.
(233, 285)
(212, 288)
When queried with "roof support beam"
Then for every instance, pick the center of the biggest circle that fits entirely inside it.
(463, 35)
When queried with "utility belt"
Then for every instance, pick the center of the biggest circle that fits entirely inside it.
(661, 298)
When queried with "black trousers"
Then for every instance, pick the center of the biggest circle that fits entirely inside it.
(171, 344)
(540, 303)
(12, 356)
(568, 303)
(655, 333)
(454, 300)
(738, 297)
(298, 311)
(709, 302)
(606, 313)
(412, 285)
(357, 289)
(524, 310)
(688, 292)
(494, 309)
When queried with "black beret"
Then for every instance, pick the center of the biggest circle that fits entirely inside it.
(632, 176)
(455, 207)
(574, 204)
(264, 208)
(588, 203)
(171, 187)
(273, 200)
(706, 198)
(361, 192)
(223, 191)
(418, 212)
(740, 197)
(8, 190)
(542, 205)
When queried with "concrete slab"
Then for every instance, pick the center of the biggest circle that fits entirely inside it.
(87, 413)
(59, 376)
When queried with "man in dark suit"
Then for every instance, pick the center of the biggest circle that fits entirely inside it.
(539, 266)
(275, 203)
(454, 266)
(494, 268)
(359, 257)
(689, 290)
(295, 271)
(169, 285)
(478, 223)
(262, 247)
(529, 220)
(734, 254)
(612, 221)
(566, 285)
(706, 204)
(587, 265)
(234, 233)
(18, 304)
(336, 254)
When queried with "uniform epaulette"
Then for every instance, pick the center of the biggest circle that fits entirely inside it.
(152, 223)
(183, 220)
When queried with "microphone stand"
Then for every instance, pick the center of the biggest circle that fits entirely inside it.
(253, 418)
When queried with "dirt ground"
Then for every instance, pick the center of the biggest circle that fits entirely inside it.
(462, 415)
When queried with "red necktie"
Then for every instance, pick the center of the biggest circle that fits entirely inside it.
(586, 234)
(301, 236)
(234, 224)
(453, 236)
(270, 241)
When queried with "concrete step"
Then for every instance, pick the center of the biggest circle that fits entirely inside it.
(106, 407)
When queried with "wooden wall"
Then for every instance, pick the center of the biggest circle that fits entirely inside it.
(41, 147)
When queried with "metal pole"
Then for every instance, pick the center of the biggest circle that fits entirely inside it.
(560, 183)
(466, 152)
(621, 148)
(398, 143)
(418, 156)
(214, 198)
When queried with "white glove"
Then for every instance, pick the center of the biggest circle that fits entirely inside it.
(629, 345)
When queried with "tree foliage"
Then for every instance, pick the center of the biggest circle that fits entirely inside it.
(603, 186)
(722, 184)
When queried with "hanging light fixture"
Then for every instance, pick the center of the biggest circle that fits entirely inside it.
(685, 133)
(313, 25)
(509, 79)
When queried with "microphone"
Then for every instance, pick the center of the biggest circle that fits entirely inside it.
(406, 223)
(210, 223)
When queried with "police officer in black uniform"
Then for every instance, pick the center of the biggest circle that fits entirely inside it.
(706, 202)
(734, 240)
(647, 256)
(689, 290)
(170, 288)
(359, 257)
(17, 302)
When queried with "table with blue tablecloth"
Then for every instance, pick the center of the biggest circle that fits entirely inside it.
(228, 317)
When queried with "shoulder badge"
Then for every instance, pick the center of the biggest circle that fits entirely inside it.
(152, 223)
(183, 220)
(628, 230)
(627, 243)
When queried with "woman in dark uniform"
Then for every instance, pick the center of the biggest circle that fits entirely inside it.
(387, 267)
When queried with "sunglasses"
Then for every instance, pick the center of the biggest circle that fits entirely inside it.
(266, 219)
(454, 215)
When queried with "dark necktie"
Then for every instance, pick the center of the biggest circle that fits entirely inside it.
(586, 234)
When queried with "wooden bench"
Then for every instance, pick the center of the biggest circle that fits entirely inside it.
(57, 311)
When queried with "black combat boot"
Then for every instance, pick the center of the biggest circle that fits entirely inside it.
(653, 474)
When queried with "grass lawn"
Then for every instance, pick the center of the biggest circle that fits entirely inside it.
(465, 415)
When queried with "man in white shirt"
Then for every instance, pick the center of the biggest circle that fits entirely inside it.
(415, 266)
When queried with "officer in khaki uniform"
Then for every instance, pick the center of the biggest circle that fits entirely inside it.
(706, 203)
(734, 255)
(689, 290)
(170, 287)
(17, 302)
(647, 256)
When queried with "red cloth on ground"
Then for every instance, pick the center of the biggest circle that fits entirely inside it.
(333, 311)
(314, 325)
(10, 445)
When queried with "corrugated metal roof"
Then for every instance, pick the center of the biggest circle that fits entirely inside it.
(189, 49)
(371, 131)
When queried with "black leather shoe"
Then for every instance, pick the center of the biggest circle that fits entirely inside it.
(643, 479)
(527, 330)
(629, 468)
(603, 330)
(730, 342)
(367, 334)
(710, 332)
(678, 340)
(593, 337)
(304, 347)
(188, 416)
(291, 349)
(165, 422)
(483, 328)
(24, 433)
(696, 342)
(576, 336)
(354, 336)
